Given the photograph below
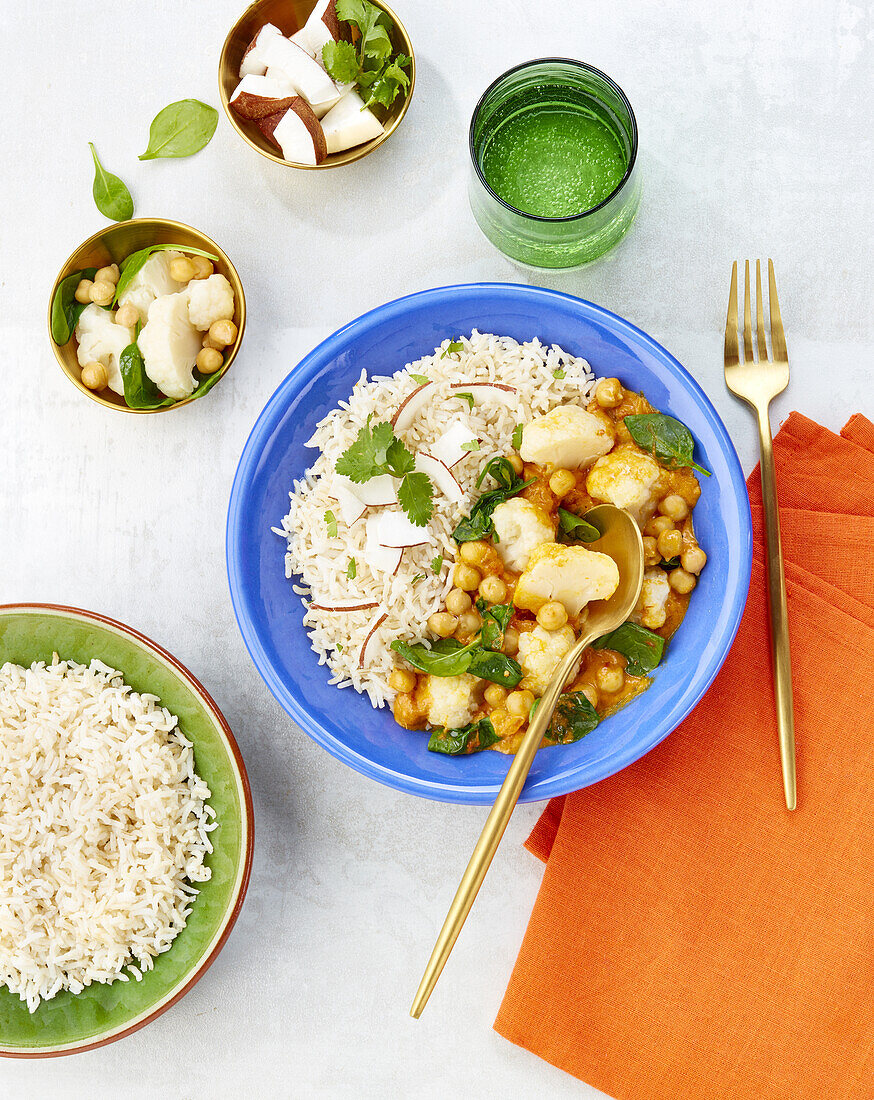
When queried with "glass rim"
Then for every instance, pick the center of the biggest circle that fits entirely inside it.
(580, 65)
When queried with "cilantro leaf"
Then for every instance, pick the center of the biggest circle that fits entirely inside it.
(437, 563)
(468, 397)
(558, 373)
(517, 437)
(392, 80)
(352, 569)
(358, 462)
(341, 61)
(422, 379)
(351, 11)
(331, 522)
(451, 348)
(383, 440)
(472, 445)
(416, 497)
(398, 459)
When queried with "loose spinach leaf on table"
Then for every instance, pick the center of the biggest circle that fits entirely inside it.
(181, 129)
(576, 527)
(641, 647)
(478, 524)
(473, 738)
(135, 261)
(668, 440)
(111, 196)
(65, 309)
(573, 718)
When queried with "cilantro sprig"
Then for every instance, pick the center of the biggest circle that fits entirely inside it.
(377, 450)
(368, 62)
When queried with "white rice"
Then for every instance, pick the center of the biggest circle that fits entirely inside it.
(103, 829)
(407, 598)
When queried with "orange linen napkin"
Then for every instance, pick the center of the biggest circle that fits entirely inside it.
(693, 939)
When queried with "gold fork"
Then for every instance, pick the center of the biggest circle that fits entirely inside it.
(757, 381)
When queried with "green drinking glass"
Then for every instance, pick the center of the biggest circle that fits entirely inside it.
(553, 146)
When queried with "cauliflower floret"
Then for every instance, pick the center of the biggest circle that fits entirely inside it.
(567, 437)
(539, 654)
(625, 477)
(572, 575)
(520, 526)
(151, 282)
(210, 300)
(450, 700)
(101, 340)
(651, 607)
(169, 344)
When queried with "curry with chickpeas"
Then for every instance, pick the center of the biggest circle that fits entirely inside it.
(523, 578)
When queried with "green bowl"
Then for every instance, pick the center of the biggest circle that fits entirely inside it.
(102, 1013)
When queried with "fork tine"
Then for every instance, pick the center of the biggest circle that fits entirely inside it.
(760, 316)
(748, 331)
(778, 340)
(731, 348)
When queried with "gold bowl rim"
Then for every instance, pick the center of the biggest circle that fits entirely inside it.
(69, 266)
(348, 156)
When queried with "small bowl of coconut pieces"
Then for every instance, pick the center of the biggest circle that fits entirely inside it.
(146, 315)
(316, 85)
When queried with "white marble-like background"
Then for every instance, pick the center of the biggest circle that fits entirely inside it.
(755, 122)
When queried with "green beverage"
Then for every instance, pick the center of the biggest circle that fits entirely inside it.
(553, 156)
(553, 146)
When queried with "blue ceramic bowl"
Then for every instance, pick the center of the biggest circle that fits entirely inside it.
(270, 614)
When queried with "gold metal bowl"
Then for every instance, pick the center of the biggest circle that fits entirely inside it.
(112, 245)
(289, 16)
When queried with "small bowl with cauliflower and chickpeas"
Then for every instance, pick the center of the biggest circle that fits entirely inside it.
(146, 315)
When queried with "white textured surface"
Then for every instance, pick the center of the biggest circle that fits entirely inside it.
(755, 134)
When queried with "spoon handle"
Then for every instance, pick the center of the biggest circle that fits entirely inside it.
(493, 830)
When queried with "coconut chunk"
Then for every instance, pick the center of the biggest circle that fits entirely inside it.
(253, 63)
(299, 134)
(350, 123)
(260, 96)
(308, 78)
(322, 27)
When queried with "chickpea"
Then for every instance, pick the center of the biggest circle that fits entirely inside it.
(561, 482)
(107, 275)
(493, 589)
(202, 267)
(657, 525)
(83, 291)
(101, 292)
(458, 601)
(469, 622)
(181, 270)
(651, 556)
(516, 462)
(511, 641)
(127, 315)
(674, 507)
(209, 360)
(402, 680)
(466, 577)
(208, 342)
(608, 393)
(494, 695)
(473, 552)
(591, 693)
(693, 560)
(681, 581)
(406, 711)
(670, 543)
(552, 615)
(94, 376)
(223, 333)
(442, 624)
(610, 679)
(519, 703)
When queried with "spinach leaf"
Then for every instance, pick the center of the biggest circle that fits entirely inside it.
(140, 392)
(181, 129)
(111, 196)
(134, 263)
(473, 738)
(65, 309)
(577, 527)
(640, 646)
(446, 657)
(495, 622)
(573, 718)
(496, 667)
(667, 440)
(478, 524)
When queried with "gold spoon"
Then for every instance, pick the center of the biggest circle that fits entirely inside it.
(620, 538)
